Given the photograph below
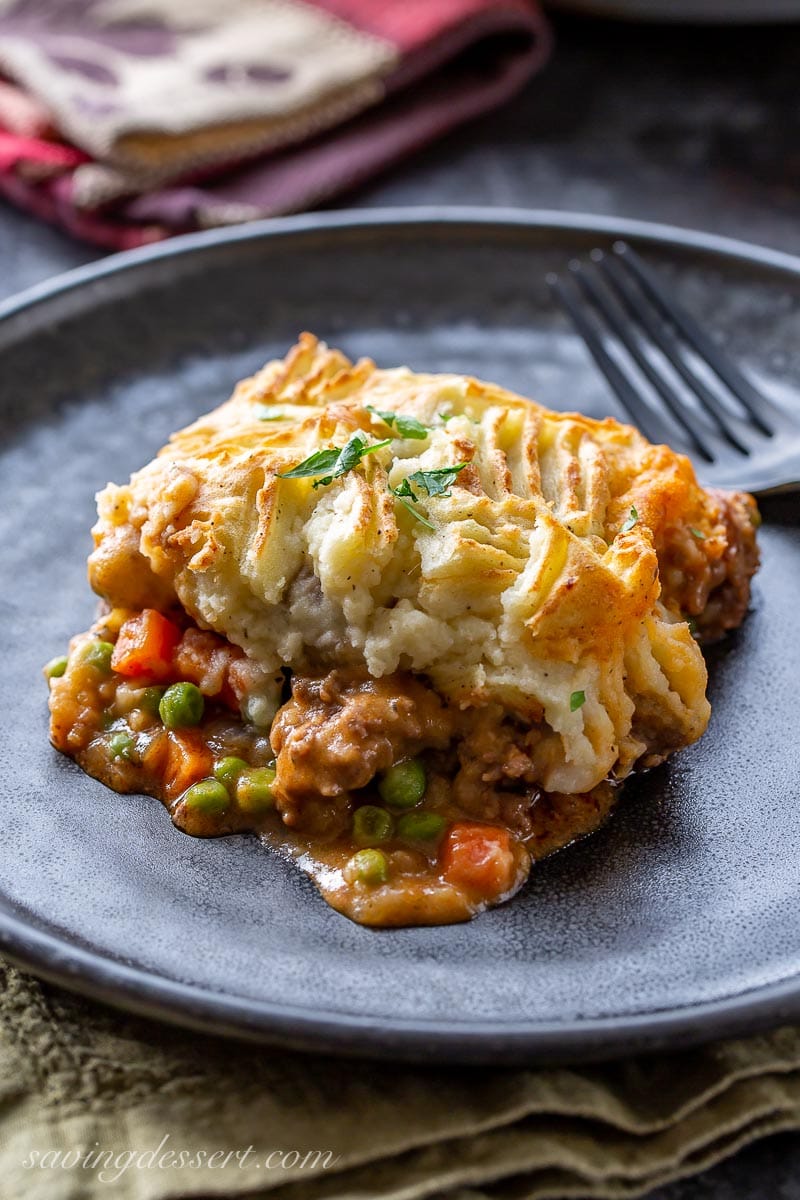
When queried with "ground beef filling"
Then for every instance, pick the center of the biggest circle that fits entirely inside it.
(317, 784)
(340, 730)
(707, 578)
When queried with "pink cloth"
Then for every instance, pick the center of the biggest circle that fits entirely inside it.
(127, 131)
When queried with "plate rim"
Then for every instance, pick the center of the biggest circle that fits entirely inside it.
(147, 993)
(136, 991)
(659, 233)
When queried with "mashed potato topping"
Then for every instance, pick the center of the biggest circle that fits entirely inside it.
(536, 571)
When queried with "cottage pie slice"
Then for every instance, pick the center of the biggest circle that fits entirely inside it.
(412, 629)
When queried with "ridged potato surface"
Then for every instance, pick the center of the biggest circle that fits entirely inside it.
(536, 577)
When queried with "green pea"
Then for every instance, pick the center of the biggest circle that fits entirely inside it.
(254, 789)
(150, 699)
(369, 866)
(98, 654)
(227, 770)
(56, 667)
(122, 744)
(421, 826)
(403, 785)
(207, 796)
(182, 704)
(371, 825)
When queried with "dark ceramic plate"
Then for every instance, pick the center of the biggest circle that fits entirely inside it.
(679, 921)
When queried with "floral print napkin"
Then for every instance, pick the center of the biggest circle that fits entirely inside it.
(127, 120)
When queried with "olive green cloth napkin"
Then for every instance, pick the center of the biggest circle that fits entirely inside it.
(93, 1103)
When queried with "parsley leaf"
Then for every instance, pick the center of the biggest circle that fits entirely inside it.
(631, 521)
(267, 412)
(338, 462)
(405, 494)
(406, 503)
(405, 489)
(407, 427)
(353, 452)
(438, 481)
(410, 427)
(315, 464)
(698, 533)
(576, 701)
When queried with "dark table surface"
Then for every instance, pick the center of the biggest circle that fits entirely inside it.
(694, 127)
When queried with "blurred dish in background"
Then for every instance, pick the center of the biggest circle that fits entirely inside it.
(719, 11)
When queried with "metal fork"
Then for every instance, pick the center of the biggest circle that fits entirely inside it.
(734, 434)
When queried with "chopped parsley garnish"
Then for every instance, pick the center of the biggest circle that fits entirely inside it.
(407, 427)
(690, 621)
(268, 412)
(576, 701)
(405, 494)
(405, 489)
(631, 521)
(337, 462)
(698, 533)
(445, 417)
(403, 497)
(436, 483)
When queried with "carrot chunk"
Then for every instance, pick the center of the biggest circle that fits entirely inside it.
(146, 646)
(206, 660)
(479, 857)
(188, 760)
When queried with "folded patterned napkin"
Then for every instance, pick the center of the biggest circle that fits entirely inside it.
(128, 120)
(94, 1104)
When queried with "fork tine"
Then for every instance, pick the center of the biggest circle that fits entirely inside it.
(752, 400)
(618, 325)
(668, 346)
(619, 382)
